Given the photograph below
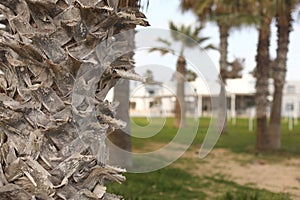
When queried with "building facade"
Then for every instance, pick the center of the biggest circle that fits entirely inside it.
(159, 99)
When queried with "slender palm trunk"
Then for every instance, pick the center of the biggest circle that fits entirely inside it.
(223, 65)
(284, 21)
(120, 145)
(262, 76)
(180, 102)
(120, 140)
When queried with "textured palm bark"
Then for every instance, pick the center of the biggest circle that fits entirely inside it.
(223, 70)
(179, 109)
(58, 62)
(262, 83)
(284, 20)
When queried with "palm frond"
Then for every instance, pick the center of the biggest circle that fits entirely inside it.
(197, 30)
(201, 40)
(172, 26)
(164, 41)
(161, 50)
(211, 47)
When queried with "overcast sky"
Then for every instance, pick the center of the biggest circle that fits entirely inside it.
(242, 42)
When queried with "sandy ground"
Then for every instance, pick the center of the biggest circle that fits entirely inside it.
(276, 176)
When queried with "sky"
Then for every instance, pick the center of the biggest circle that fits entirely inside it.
(242, 42)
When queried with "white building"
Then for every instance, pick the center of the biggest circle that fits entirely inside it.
(159, 99)
(291, 99)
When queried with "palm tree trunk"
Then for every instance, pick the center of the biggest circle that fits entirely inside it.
(284, 20)
(54, 120)
(262, 82)
(179, 109)
(120, 141)
(223, 66)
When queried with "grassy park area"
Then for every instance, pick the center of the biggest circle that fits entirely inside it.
(234, 170)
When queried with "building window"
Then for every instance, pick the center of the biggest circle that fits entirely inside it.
(151, 104)
(289, 107)
(151, 92)
(291, 89)
(132, 105)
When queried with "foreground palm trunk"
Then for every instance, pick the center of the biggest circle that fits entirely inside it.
(262, 83)
(284, 20)
(54, 119)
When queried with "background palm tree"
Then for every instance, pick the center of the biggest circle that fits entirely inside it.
(266, 12)
(227, 15)
(268, 137)
(56, 74)
(284, 9)
(120, 138)
(189, 38)
(190, 75)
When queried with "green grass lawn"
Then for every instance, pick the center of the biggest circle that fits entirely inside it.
(238, 139)
(178, 183)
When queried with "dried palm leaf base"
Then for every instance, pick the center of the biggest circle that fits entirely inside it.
(59, 61)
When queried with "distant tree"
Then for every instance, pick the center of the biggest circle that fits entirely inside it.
(265, 9)
(149, 76)
(235, 68)
(268, 137)
(190, 33)
(271, 70)
(120, 138)
(227, 15)
(284, 20)
(190, 75)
